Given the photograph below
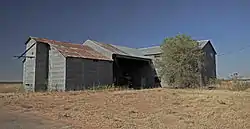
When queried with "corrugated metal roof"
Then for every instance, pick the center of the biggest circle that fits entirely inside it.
(130, 51)
(157, 49)
(73, 50)
(122, 50)
(202, 43)
(151, 50)
(110, 48)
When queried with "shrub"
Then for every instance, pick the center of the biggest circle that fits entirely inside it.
(180, 62)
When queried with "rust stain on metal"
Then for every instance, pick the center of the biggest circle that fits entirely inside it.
(74, 50)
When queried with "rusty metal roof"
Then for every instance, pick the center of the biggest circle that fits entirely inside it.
(73, 50)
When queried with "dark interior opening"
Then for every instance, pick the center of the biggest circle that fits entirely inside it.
(157, 82)
(128, 71)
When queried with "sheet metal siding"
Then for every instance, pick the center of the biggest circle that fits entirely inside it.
(98, 73)
(57, 70)
(156, 69)
(42, 55)
(151, 50)
(74, 74)
(154, 65)
(99, 49)
(29, 67)
(86, 73)
(209, 70)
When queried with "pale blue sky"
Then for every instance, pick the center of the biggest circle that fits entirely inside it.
(133, 23)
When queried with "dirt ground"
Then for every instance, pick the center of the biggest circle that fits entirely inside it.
(16, 120)
(144, 109)
(10, 88)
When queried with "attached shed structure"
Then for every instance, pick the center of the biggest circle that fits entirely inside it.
(208, 70)
(128, 62)
(54, 65)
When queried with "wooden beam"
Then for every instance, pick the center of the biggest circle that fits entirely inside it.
(18, 57)
(26, 51)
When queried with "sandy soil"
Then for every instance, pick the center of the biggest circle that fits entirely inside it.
(144, 109)
(10, 119)
(10, 88)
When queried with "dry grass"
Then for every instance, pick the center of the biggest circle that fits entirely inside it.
(145, 109)
(10, 88)
(233, 85)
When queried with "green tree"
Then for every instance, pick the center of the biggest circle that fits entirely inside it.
(180, 61)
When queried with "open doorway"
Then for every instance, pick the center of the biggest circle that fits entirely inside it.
(132, 72)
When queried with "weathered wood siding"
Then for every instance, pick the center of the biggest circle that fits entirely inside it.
(42, 57)
(29, 66)
(209, 66)
(57, 70)
(85, 73)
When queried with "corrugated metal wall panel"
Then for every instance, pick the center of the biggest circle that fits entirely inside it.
(42, 56)
(91, 71)
(99, 73)
(74, 74)
(57, 70)
(85, 73)
(209, 69)
(105, 72)
(155, 68)
(29, 67)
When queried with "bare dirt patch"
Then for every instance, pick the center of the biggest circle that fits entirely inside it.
(17, 120)
(10, 88)
(157, 108)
